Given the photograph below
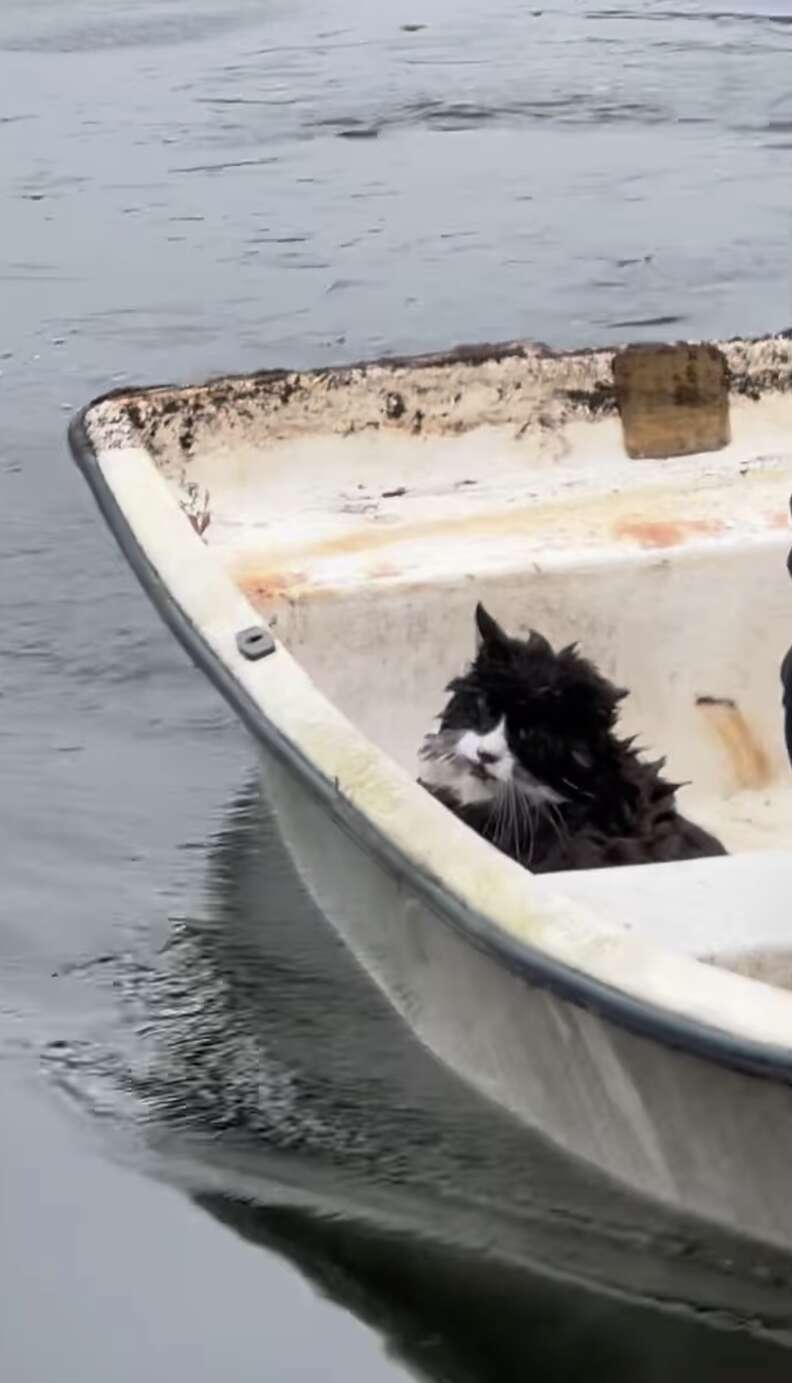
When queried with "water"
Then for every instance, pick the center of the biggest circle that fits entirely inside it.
(206, 1112)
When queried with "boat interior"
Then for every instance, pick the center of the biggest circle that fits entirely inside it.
(364, 518)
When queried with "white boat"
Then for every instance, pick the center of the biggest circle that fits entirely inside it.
(318, 542)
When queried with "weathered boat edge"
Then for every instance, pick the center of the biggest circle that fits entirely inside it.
(583, 990)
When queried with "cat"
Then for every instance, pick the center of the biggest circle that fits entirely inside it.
(527, 754)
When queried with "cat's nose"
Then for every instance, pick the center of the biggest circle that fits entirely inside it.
(484, 757)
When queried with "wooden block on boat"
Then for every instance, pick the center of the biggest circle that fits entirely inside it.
(673, 400)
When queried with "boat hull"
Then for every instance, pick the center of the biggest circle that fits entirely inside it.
(690, 1133)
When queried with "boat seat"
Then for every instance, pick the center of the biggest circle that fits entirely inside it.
(735, 912)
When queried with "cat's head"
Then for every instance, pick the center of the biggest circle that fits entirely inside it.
(523, 716)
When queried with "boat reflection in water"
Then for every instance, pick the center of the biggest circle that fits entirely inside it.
(456, 1315)
(293, 1105)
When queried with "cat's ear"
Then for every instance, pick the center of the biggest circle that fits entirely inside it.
(490, 635)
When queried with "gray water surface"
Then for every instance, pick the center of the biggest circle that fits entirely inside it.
(193, 1135)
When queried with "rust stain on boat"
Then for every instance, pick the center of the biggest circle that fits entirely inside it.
(384, 571)
(668, 533)
(269, 585)
(747, 755)
(547, 520)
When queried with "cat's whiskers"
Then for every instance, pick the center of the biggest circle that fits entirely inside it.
(512, 826)
(578, 790)
(496, 815)
(522, 810)
(556, 820)
(513, 819)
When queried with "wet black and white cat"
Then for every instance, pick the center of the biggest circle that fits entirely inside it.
(528, 755)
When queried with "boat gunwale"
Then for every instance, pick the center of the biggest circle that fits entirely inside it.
(641, 1017)
(476, 353)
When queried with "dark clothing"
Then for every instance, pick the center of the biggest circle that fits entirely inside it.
(786, 681)
(786, 678)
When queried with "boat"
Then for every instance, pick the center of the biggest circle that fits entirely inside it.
(318, 540)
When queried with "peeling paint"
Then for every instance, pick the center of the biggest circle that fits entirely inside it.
(195, 504)
(520, 386)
